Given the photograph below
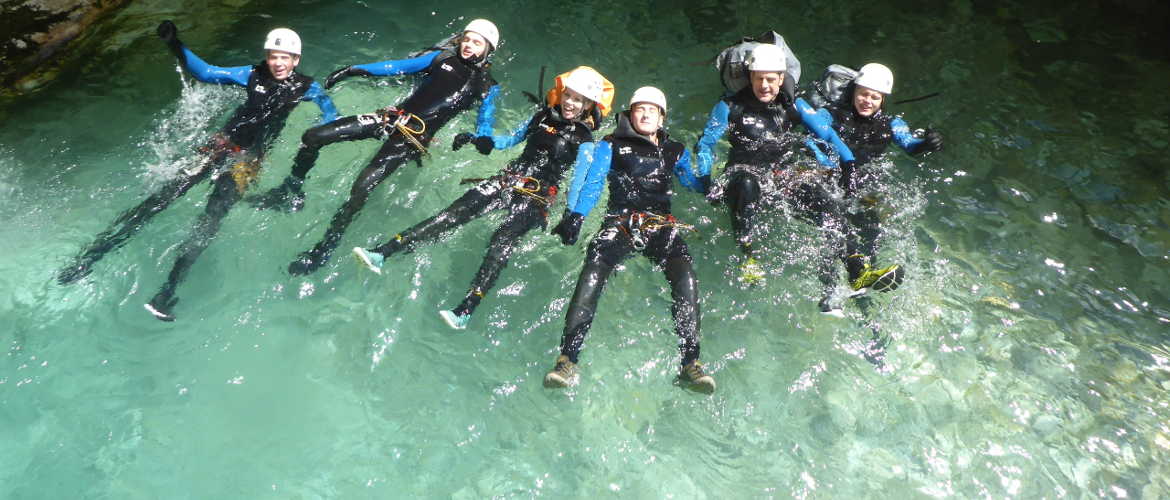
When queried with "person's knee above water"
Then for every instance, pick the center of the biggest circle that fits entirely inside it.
(556, 137)
(274, 88)
(639, 162)
(855, 113)
(456, 78)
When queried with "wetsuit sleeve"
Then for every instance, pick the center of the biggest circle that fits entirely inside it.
(214, 74)
(486, 116)
(516, 137)
(716, 127)
(588, 182)
(399, 67)
(820, 123)
(686, 176)
(903, 136)
(318, 96)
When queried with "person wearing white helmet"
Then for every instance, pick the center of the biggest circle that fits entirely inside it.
(639, 161)
(758, 120)
(555, 138)
(456, 78)
(274, 88)
(865, 132)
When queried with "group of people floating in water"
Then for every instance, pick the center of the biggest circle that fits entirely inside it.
(822, 175)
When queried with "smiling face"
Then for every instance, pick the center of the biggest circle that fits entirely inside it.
(646, 118)
(281, 64)
(472, 45)
(573, 104)
(867, 101)
(766, 84)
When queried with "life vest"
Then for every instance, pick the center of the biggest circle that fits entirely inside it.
(551, 146)
(759, 133)
(732, 63)
(262, 115)
(601, 109)
(452, 86)
(641, 174)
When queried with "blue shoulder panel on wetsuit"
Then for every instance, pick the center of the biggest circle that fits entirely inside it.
(820, 123)
(903, 136)
(516, 137)
(399, 67)
(590, 181)
(716, 127)
(214, 74)
(318, 96)
(485, 118)
(686, 176)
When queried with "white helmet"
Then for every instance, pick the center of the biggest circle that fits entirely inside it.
(651, 95)
(877, 77)
(284, 40)
(767, 57)
(587, 82)
(486, 29)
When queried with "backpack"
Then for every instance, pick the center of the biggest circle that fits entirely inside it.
(832, 85)
(732, 63)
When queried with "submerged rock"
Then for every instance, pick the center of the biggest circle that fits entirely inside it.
(37, 30)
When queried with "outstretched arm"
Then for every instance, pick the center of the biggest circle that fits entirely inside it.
(391, 67)
(198, 67)
(318, 96)
(820, 123)
(716, 127)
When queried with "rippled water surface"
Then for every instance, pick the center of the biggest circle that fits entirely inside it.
(1030, 347)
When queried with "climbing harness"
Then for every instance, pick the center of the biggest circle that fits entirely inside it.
(638, 226)
(402, 120)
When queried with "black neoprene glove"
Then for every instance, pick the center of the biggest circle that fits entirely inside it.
(461, 140)
(931, 141)
(484, 145)
(569, 227)
(342, 74)
(169, 33)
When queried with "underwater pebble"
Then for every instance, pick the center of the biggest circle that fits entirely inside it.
(1046, 424)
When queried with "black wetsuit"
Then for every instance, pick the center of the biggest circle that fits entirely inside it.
(232, 159)
(452, 85)
(760, 171)
(525, 188)
(867, 138)
(638, 218)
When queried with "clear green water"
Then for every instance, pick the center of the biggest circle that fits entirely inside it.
(1031, 353)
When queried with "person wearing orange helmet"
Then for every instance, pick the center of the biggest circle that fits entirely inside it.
(556, 138)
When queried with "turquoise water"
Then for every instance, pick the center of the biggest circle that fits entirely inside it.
(1031, 345)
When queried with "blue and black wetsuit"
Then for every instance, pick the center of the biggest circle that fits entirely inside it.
(525, 188)
(862, 140)
(762, 168)
(233, 157)
(638, 218)
(451, 86)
